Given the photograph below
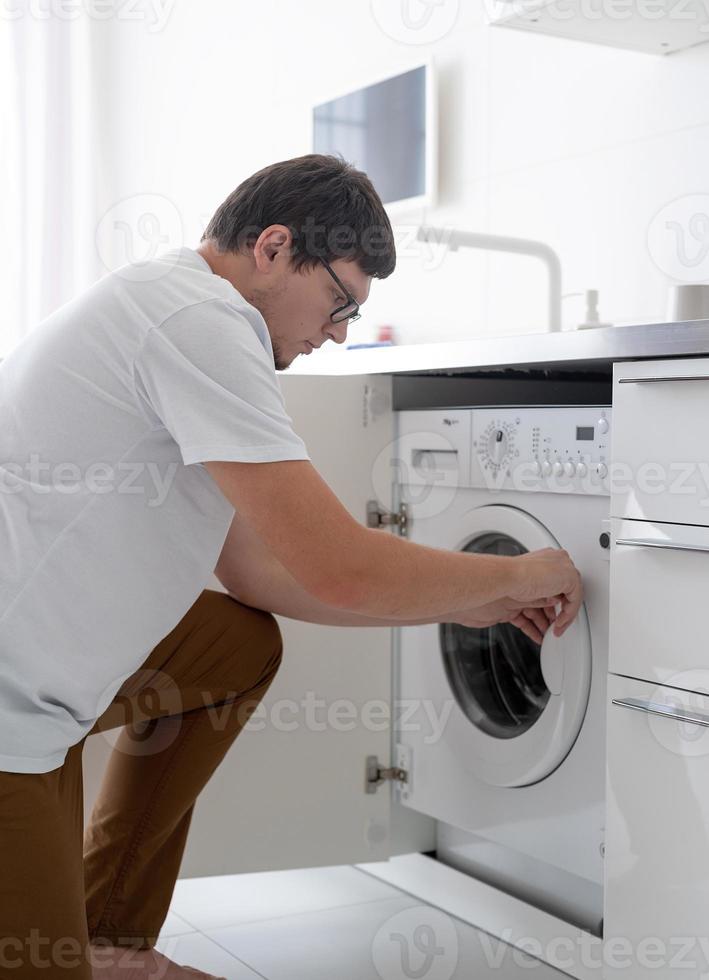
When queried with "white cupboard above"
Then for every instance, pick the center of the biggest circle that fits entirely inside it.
(651, 26)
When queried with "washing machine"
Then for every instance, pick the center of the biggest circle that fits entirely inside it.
(503, 738)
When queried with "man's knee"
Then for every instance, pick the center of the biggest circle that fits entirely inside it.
(260, 630)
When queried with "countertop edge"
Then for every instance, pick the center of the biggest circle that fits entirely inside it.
(599, 346)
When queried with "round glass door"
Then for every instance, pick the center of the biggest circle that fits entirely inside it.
(495, 672)
(517, 706)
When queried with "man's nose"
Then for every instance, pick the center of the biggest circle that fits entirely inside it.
(337, 331)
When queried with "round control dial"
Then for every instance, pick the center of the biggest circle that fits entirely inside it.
(497, 445)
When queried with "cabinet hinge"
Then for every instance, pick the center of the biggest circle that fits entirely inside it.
(382, 518)
(376, 775)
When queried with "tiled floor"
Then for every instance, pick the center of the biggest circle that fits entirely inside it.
(335, 923)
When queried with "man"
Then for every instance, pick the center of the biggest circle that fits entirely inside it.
(145, 444)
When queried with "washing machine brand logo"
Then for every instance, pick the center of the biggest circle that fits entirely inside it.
(419, 943)
(451, 421)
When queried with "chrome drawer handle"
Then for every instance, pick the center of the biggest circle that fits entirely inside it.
(650, 707)
(665, 546)
(642, 381)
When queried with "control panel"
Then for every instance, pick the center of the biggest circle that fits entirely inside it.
(562, 450)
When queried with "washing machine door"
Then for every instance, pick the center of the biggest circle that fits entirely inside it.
(521, 706)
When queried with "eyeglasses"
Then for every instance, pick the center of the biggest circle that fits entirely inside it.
(350, 310)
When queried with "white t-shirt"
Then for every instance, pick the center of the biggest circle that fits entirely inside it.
(110, 526)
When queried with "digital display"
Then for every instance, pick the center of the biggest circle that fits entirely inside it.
(584, 433)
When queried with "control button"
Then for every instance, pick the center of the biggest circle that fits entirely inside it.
(546, 467)
(569, 468)
(558, 468)
(581, 469)
(605, 540)
(602, 470)
(538, 468)
(603, 425)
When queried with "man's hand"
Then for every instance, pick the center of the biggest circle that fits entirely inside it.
(547, 578)
(532, 621)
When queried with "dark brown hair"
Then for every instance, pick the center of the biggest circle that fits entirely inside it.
(332, 210)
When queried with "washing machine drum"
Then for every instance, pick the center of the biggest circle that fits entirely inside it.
(520, 706)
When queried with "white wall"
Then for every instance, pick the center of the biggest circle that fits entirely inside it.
(578, 145)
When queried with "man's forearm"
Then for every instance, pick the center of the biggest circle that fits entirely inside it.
(290, 600)
(384, 576)
(252, 575)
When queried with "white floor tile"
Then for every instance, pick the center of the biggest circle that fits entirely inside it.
(226, 900)
(393, 939)
(200, 952)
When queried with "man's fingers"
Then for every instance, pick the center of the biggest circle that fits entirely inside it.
(538, 617)
(568, 613)
(527, 627)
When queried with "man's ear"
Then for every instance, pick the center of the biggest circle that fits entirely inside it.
(273, 242)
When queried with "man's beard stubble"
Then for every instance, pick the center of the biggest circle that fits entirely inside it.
(279, 363)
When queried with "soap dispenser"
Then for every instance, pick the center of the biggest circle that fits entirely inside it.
(592, 318)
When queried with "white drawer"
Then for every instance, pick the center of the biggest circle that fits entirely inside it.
(659, 594)
(660, 443)
(657, 833)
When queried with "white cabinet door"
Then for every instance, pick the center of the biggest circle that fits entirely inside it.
(293, 793)
(657, 832)
(660, 445)
(658, 599)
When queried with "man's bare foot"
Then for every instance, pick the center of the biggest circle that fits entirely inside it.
(121, 963)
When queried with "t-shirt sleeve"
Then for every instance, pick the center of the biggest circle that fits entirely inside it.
(205, 374)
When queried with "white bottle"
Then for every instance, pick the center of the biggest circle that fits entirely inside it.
(592, 318)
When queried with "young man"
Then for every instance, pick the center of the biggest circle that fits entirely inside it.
(145, 444)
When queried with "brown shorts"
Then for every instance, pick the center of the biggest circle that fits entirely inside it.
(60, 888)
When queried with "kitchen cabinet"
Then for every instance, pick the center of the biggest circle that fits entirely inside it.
(660, 441)
(656, 871)
(291, 791)
(657, 832)
(658, 600)
(658, 27)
